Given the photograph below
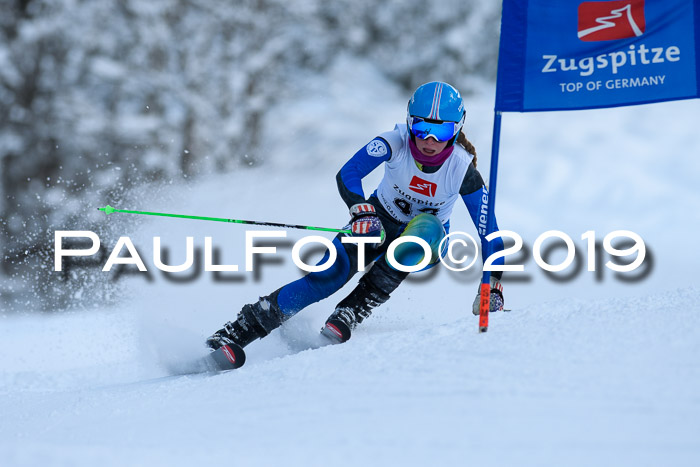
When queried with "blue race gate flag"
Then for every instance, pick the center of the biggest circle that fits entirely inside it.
(573, 54)
(578, 54)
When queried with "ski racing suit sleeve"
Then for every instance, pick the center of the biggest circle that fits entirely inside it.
(364, 161)
(476, 197)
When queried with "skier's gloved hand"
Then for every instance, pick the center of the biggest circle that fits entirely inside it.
(496, 299)
(365, 222)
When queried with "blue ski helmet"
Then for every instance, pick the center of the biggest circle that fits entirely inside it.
(436, 110)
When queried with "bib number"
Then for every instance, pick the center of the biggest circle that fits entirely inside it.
(407, 208)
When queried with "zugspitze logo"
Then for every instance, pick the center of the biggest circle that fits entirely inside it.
(606, 21)
(422, 187)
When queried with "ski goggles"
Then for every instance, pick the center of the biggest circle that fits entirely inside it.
(440, 131)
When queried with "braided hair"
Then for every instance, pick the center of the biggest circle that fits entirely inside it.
(467, 145)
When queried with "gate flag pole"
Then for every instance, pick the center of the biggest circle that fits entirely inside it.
(485, 290)
(545, 49)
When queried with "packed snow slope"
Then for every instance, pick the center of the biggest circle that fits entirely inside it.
(592, 370)
(569, 382)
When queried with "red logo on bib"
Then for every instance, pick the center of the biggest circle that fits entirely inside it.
(607, 21)
(422, 187)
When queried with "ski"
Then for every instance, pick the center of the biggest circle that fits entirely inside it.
(335, 331)
(227, 357)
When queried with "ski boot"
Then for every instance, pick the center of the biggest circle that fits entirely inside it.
(253, 321)
(354, 309)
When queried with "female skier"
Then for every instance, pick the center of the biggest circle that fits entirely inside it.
(429, 163)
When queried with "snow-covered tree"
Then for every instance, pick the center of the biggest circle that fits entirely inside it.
(99, 96)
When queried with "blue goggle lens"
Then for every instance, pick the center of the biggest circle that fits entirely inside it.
(442, 132)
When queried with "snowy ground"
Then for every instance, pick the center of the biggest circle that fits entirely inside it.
(584, 382)
(582, 372)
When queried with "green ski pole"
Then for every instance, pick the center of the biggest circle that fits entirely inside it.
(109, 210)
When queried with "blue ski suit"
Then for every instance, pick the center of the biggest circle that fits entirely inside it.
(407, 190)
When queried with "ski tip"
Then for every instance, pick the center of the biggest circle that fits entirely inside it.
(336, 331)
(228, 357)
(483, 329)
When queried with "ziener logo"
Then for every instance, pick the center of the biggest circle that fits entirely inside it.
(422, 187)
(606, 21)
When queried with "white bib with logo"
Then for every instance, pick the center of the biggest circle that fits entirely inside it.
(405, 191)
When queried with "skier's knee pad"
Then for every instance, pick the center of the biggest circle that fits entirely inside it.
(426, 227)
